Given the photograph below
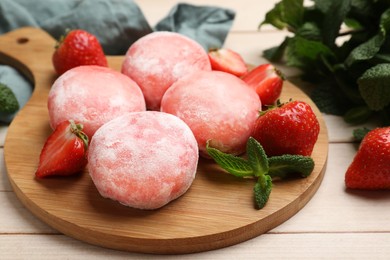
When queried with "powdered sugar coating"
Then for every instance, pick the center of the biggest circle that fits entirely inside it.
(159, 59)
(217, 106)
(92, 96)
(143, 159)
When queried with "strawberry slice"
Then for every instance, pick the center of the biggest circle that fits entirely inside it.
(228, 61)
(64, 152)
(267, 81)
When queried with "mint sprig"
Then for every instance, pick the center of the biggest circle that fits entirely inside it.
(342, 47)
(258, 165)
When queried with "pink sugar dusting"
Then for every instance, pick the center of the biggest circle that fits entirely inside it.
(93, 95)
(143, 159)
(217, 106)
(159, 59)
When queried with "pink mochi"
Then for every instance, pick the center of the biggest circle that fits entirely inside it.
(158, 59)
(92, 96)
(143, 159)
(217, 106)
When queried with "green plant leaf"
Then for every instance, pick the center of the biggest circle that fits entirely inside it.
(303, 53)
(285, 14)
(276, 53)
(374, 86)
(286, 165)
(257, 157)
(358, 115)
(366, 50)
(360, 133)
(372, 46)
(310, 31)
(234, 165)
(262, 190)
(8, 102)
(335, 12)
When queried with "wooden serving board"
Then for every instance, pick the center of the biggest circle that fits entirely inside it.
(217, 211)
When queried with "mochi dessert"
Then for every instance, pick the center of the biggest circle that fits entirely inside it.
(143, 159)
(217, 106)
(92, 96)
(158, 59)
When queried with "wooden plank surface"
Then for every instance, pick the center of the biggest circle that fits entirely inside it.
(317, 231)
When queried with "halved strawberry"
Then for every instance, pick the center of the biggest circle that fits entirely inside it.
(228, 61)
(64, 152)
(267, 81)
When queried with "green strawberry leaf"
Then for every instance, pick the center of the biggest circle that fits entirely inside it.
(257, 157)
(374, 86)
(8, 102)
(234, 165)
(262, 190)
(286, 165)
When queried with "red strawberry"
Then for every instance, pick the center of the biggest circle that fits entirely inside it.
(64, 152)
(370, 169)
(76, 48)
(291, 128)
(228, 61)
(267, 81)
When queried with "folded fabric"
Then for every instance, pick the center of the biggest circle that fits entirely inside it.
(207, 25)
(117, 24)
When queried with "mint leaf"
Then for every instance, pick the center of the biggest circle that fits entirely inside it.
(276, 53)
(8, 102)
(285, 14)
(303, 53)
(310, 31)
(262, 190)
(374, 86)
(257, 157)
(236, 166)
(285, 165)
(358, 115)
(360, 133)
(371, 47)
(335, 12)
(258, 165)
(366, 50)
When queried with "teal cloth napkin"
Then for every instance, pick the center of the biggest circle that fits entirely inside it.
(116, 23)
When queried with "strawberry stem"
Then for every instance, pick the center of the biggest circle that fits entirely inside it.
(77, 130)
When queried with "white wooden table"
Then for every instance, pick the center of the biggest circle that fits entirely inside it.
(334, 224)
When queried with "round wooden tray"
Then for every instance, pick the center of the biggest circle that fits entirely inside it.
(217, 211)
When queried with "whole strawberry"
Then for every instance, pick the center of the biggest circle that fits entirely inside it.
(290, 128)
(76, 48)
(370, 168)
(267, 81)
(64, 152)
